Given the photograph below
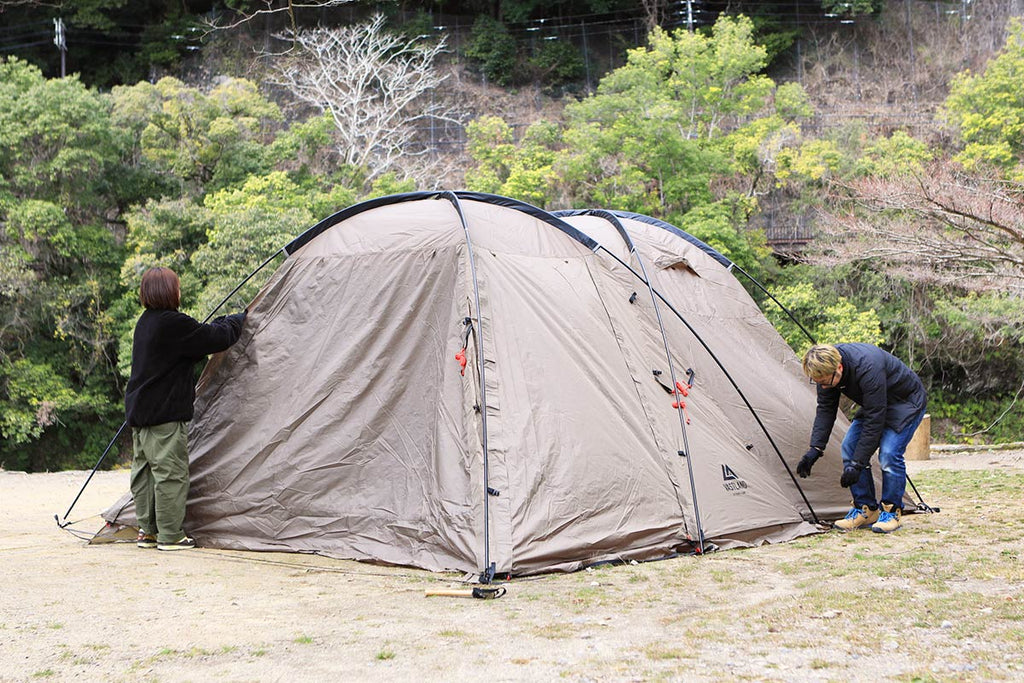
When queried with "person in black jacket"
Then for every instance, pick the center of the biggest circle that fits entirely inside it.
(892, 400)
(158, 404)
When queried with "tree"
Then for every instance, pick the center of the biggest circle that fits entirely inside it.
(829, 321)
(988, 109)
(525, 171)
(941, 225)
(198, 141)
(60, 163)
(377, 86)
(248, 10)
(671, 134)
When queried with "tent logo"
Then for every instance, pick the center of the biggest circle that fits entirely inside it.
(731, 480)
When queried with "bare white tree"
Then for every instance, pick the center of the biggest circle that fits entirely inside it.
(269, 8)
(380, 89)
(941, 225)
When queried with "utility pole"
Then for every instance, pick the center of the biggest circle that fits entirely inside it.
(689, 15)
(61, 43)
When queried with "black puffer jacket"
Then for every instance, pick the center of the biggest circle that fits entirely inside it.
(165, 349)
(889, 393)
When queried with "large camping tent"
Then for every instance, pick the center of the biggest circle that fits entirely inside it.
(458, 381)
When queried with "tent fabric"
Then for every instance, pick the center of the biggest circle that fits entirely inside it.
(342, 424)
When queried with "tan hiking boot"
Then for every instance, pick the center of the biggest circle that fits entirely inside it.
(857, 518)
(889, 520)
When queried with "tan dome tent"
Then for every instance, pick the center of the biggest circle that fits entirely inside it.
(345, 423)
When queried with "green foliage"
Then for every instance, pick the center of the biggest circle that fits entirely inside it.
(829, 321)
(60, 163)
(989, 108)
(792, 102)
(957, 418)
(812, 161)
(557, 62)
(204, 141)
(897, 154)
(493, 49)
(56, 141)
(489, 142)
(525, 171)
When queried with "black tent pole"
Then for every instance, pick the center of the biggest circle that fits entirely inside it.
(89, 478)
(611, 218)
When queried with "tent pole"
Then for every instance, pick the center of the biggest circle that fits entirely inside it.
(89, 478)
(487, 575)
(671, 369)
(728, 376)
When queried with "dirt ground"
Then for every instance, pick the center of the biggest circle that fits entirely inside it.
(72, 611)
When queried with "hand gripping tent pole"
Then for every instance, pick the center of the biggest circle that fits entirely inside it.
(62, 522)
(668, 355)
(724, 261)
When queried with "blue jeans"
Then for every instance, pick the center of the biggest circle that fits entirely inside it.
(890, 459)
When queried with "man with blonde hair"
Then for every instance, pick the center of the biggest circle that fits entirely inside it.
(892, 400)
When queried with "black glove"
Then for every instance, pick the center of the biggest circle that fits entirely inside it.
(803, 468)
(851, 473)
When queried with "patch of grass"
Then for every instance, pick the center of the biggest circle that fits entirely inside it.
(385, 654)
(658, 652)
(45, 673)
(303, 640)
(588, 596)
(452, 633)
(723, 576)
(56, 626)
(555, 631)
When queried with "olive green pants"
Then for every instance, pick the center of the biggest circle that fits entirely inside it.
(160, 479)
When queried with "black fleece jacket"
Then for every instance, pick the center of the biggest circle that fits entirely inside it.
(889, 393)
(165, 349)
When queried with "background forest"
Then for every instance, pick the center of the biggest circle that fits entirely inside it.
(864, 160)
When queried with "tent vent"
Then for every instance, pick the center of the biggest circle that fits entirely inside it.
(632, 298)
(493, 492)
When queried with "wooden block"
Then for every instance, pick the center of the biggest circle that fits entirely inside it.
(920, 444)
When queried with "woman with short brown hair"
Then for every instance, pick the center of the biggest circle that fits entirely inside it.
(158, 404)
